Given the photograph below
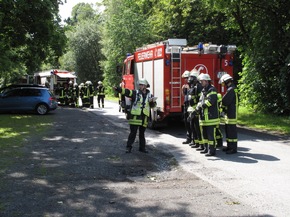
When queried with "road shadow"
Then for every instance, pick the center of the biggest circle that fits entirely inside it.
(244, 156)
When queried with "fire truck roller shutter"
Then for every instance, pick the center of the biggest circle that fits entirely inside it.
(158, 83)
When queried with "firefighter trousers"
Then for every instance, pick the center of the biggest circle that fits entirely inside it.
(187, 127)
(132, 136)
(196, 131)
(231, 136)
(209, 133)
(101, 100)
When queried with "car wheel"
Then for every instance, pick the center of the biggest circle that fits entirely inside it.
(41, 109)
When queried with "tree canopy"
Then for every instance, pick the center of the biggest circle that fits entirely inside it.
(29, 34)
(97, 41)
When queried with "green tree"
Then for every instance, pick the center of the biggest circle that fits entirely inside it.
(84, 42)
(264, 30)
(28, 35)
(125, 29)
(81, 12)
(83, 49)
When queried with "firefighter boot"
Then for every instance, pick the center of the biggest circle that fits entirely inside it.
(219, 143)
(187, 141)
(195, 145)
(201, 147)
(232, 148)
(225, 149)
(211, 151)
(205, 150)
(192, 143)
(128, 149)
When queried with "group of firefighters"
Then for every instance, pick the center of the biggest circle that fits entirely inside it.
(74, 95)
(204, 108)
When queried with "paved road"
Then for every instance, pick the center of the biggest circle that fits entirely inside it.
(258, 175)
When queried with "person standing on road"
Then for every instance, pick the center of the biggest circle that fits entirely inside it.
(185, 89)
(194, 93)
(230, 108)
(100, 91)
(142, 101)
(207, 108)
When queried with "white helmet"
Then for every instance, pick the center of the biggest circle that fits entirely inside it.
(204, 77)
(88, 83)
(225, 78)
(185, 74)
(100, 82)
(143, 81)
(194, 73)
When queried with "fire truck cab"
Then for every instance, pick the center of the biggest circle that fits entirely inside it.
(163, 64)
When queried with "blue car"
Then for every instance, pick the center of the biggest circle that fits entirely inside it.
(36, 99)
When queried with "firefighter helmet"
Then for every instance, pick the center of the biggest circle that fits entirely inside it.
(194, 73)
(185, 74)
(225, 78)
(88, 83)
(204, 77)
(143, 81)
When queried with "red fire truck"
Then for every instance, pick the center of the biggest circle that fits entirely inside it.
(163, 64)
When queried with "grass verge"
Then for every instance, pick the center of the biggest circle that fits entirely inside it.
(265, 122)
(15, 130)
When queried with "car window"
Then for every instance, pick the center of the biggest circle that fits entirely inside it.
(12, 93)
(30, 92)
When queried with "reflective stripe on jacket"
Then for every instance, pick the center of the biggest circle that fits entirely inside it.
(210, 112)
(101, 90)
(140, 108)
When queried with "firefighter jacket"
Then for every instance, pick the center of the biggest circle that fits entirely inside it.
(82, 91)
(194, 92)
(209, 109)
(90, 91)
(230, 105)
(140, 107)
(100, 91)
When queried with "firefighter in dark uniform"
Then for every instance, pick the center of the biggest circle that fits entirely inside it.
(100, 91)
(66, 93)
(208, 115)
(185, 89)
(75, 95)
(82, 93)
(142, 101)
(70, 93)
(90, 92)
(57, 91)
(230, 108)
(219, 134)
(194, 93)
(62, 95)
